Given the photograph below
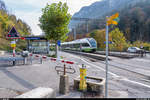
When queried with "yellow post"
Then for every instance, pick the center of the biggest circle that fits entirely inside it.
(83, 85)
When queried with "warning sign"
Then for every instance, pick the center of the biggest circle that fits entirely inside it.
(13, 33)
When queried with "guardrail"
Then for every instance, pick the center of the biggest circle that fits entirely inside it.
(11, 60)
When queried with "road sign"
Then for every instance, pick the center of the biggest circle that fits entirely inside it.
(109, 42)
(32, 38)
(113, 19)
(13, 33)
(59, 43)
(13, 44)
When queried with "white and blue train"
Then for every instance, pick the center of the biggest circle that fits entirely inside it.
(85, 45)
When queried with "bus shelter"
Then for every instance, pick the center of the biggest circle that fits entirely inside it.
(38, 45)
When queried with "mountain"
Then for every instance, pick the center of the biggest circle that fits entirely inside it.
(100, 8)
(2, 5)
(134, 21)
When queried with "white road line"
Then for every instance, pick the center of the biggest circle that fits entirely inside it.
(97, 67)
(137, 83)
(115, 75)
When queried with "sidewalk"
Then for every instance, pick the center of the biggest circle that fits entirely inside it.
(28, 77)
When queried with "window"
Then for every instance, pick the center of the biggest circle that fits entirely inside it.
(92, 42)
(85, 45)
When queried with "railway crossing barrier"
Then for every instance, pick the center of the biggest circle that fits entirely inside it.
(64, 79)
(36, 57)
(66, 68)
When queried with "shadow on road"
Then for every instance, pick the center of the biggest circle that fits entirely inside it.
(18, 79)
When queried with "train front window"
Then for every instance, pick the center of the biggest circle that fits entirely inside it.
(85, 45)
(92, 42)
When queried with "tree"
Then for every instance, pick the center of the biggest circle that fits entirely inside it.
(54, 21)
(118, 39)
(99, 36)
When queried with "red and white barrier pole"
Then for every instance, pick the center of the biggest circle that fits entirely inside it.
(14, 53)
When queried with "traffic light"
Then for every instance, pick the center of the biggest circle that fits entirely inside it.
(114, 19)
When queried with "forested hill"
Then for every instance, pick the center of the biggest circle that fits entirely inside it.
(100, 8)
(134, 21)
(7, 21)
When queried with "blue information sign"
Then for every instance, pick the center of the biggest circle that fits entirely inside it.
(109, 42)
(59, 43)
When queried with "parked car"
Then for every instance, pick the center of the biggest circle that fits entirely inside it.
(133, 49)
(25, 53)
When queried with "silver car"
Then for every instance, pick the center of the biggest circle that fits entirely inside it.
(133, 49)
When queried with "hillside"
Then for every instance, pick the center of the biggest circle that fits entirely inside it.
(134, 21)
(100, 8)
(7, 21)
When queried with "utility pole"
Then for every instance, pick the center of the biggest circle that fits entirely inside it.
(106, 85)
(107, 36)
(109, 20)
(74, 33)
(87, 26)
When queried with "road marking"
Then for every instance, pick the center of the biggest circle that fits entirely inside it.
(98, 67)
(115, 75)
(137, 83)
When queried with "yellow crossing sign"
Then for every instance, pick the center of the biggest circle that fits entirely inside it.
(113, 19)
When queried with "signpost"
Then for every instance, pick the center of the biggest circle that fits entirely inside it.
(13, 44)
(58, 45)
(109, 20)
(109, 42)
(13, 34)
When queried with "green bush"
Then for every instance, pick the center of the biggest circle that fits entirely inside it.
(54, 56)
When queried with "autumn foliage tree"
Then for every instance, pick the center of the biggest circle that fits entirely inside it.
(7, 21)
(99, 36)
(118, 40)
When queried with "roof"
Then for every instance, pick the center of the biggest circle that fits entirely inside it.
(40, 37)
(78, 41)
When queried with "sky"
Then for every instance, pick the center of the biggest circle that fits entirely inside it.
(30, 10)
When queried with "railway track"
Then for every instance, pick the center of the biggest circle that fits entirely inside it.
(94, 56)
(124, 56)
(88, 55)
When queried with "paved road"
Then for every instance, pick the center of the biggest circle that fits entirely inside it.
(121, 80)
(121, 83)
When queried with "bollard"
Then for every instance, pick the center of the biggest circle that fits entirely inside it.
(41, 60)
(25, 60)
(31, 58)
(83, 85)
(14, 62)
(64, 83)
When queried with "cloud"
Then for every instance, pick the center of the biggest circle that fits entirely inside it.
(30, 10)
(32, 19)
